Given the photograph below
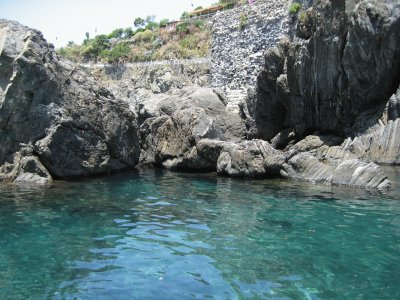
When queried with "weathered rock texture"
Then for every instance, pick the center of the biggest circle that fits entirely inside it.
(310, 83)
(137, 82)
(174, 122)
(349, 64)
(70, 125)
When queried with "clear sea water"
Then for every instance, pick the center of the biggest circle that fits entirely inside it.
(159, 235)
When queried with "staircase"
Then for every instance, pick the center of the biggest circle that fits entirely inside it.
(235, 97)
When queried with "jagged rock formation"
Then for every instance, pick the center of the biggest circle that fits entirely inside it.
(55, 121)
(135, 83)
(303, 88)
(349, 64)
(317, 117)
(174, 122)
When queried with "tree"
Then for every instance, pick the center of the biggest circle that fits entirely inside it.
(116, 33)
(150, 19)
(128, 32)
(163, 22)
(87, 35)
(184, 15)
(139, 22)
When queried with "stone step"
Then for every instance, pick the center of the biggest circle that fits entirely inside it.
(235, 97)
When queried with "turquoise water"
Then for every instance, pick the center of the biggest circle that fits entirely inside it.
(161, 235)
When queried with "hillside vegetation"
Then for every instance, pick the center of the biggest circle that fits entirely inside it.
(188, 38)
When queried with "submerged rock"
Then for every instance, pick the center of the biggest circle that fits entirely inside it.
(73, 125)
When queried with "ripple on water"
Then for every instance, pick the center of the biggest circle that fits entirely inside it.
(178, 236)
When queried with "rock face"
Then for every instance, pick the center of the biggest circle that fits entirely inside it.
(173, 123)
(348, 64)
(135, 83)
(310, 83)
(351, 173)
(71, 125)
(336, 80)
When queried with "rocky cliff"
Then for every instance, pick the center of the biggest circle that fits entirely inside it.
(321, 97)
(55, 120)
(326, 107)
(345, 62)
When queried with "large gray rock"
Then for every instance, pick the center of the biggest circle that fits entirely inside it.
(373, 137)
(269, 111)
(349, 64)
(74, 126)
(174, 122)
(350, 173)
(254, 158)
(25, 168)
(379, 141)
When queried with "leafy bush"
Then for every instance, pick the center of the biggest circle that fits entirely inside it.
(294, 8)
(243, 20)
(128, 32)
(199, 23)
(147, 42)
(116, 33)
(163, 22)
(182, 27)
(120, 51)
(144, 36)
(188, 42)
(185, 15)
(158, 42)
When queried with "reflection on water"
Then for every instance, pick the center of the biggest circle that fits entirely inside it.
(161, 235)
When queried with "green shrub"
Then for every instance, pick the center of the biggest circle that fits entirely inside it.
(119, 51)
(182, 27)
(157, 43)
(163, 22)
(188, 42)
(139, 22)
(151, 26)
(185, 15)
(144, 36)
(116, 33)
(303, 17)
(199, 23)
(243, 20)
(294, 8)
(128, 32)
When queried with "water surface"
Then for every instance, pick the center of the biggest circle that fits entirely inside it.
(160, 235)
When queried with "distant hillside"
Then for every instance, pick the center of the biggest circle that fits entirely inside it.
(190, 37)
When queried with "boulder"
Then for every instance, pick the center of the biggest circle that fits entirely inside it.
(255, 158)
(74, 126)
(350, 173)
(25, 168)
(174, 122)
(354, 173)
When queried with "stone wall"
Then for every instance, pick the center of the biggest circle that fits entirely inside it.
(237, 53)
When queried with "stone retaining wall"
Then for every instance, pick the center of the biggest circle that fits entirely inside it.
(237, 53)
